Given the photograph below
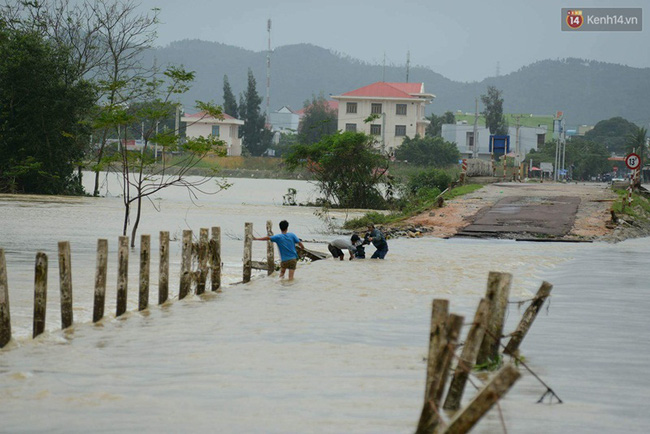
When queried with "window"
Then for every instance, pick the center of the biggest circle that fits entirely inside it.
(375, 130)
(470, 139)
(400, 130)
(351, 107)
(375, 108)
(215, 130)
(401, 109)
(350, 127)
(540, 139)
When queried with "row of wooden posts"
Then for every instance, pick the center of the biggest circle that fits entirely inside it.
(482, 346)
(207, 253)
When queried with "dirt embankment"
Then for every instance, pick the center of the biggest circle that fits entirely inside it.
(592, 221)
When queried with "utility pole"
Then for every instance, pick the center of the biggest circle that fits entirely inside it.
(268, 71)
(383, 70)
(517, 149)
(475, 133)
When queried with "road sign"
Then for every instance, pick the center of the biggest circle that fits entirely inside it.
(632, 161)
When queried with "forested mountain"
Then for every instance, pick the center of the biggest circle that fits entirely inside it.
(586, 91)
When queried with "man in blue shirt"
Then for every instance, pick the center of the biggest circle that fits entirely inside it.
(379, 241)
(286, 242)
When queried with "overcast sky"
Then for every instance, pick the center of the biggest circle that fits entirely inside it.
(463, 41)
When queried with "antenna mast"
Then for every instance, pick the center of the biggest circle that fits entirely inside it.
(268, 71)
(408, 64)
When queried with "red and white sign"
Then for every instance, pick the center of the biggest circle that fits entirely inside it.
(632, 161)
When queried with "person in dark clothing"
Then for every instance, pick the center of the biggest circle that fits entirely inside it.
(379, 241)
(359, 244)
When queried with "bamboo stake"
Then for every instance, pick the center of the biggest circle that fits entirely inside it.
(248, 252)
(439, 315)
(145, 256)
(186, 265)
(497, 294)
(467, 358)
(40, 294)
(527, 319)
(122, 274)
(203, 260)
(65, 279)
(215, 258)
(270, 260)
(464, 420)
(163, 268)
(430, 416)
(100, 280)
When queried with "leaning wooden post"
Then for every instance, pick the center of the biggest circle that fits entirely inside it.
(203, 260)
(467, 358)
(215, 259)
(122, 274)
(270, 260)
(248, 252)
(40, 293)
(186, 265)
(464, 420)
(163, 268)
(5, 317)
(145, 256)
(527, 320)
(497, 294)
(65, 279)
(439, 315)
(100, 280)
(430, 416)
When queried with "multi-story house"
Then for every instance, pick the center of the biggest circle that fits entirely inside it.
(394, 111)
(226, 129)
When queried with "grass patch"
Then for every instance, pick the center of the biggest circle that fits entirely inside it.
(462, 190)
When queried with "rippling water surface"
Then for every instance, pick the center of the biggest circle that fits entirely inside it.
(340, 349)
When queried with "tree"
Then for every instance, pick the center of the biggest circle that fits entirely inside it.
(105, 39)
(613, 133)
(319, 120)
(141, 175)
(586, 157)
(229, 101)
(42, 105)
(348, 168)
(257, 139)
(428, 151)
(434, 129)
(494, 119)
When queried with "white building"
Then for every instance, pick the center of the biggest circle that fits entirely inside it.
(227, 129)
(398, 109)
(284, 120)
(463, 135)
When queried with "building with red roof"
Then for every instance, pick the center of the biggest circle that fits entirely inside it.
(226, 129)
(397, 109)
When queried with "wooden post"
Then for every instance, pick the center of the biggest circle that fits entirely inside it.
(497, 294)
(163, 268)
(145, 256)
(215, 258)
(122, 274)
(186, 265)
(467, 358)
(270, 260)
(40, 294)
(430, 416)
(464, 420)
(248, 252)
(439, 315)
(527, 319)
(5, 316)
(100, 279)
(203, 260)
(65, 279)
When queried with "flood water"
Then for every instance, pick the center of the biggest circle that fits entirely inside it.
(339, 350)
